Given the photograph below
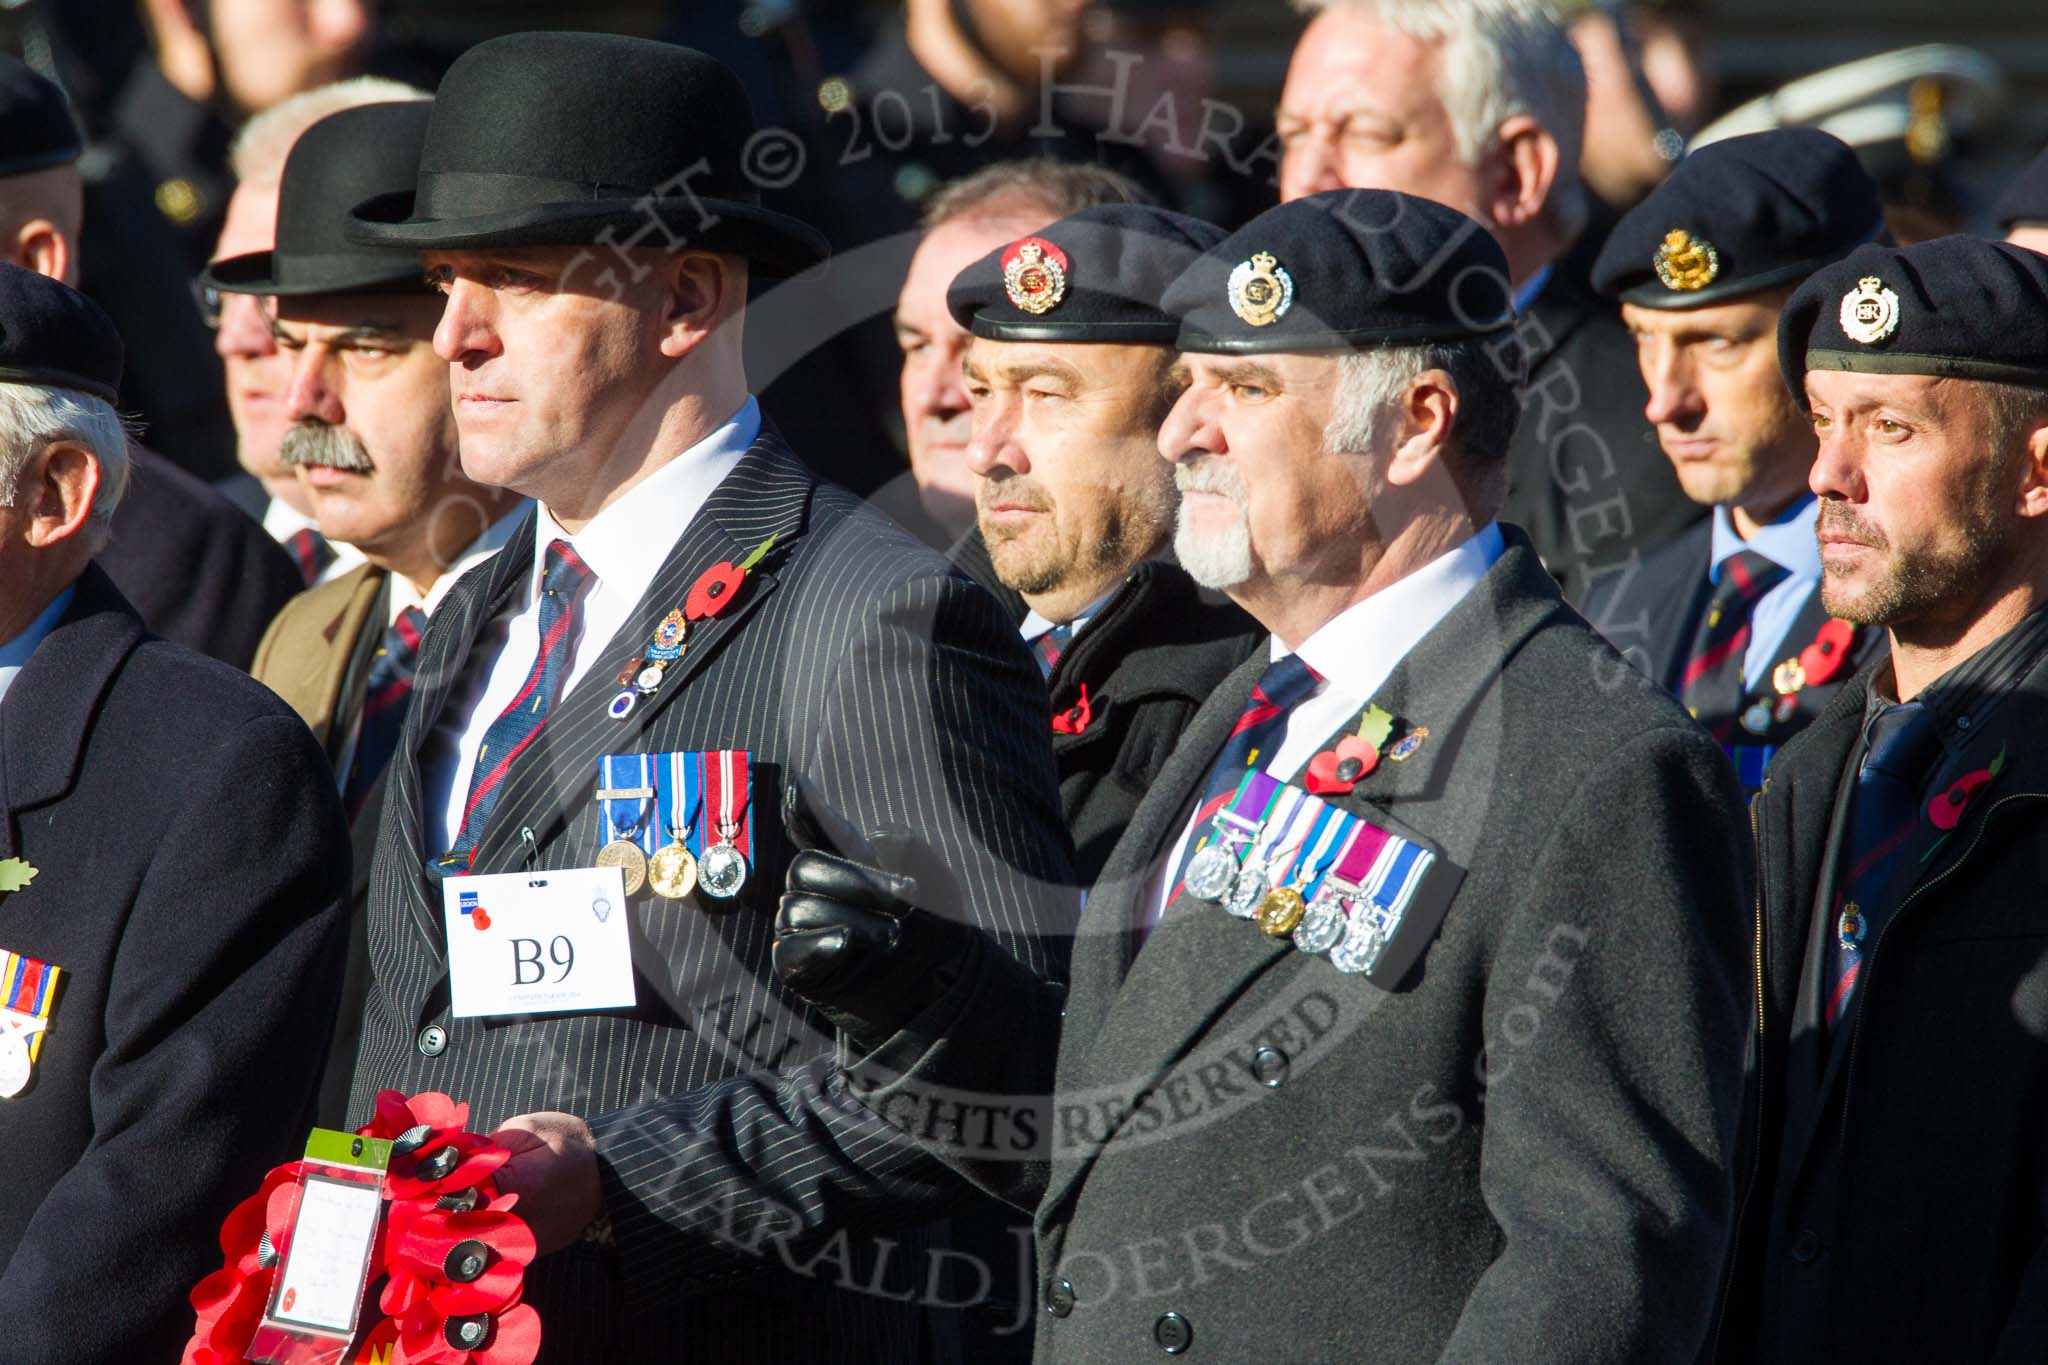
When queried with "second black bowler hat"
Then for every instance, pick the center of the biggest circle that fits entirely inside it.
(336, 164)
(592, 139)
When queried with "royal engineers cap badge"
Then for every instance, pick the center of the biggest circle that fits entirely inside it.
(1035, 275)
(1870, 312)
(1261, 290)
(1686, 263)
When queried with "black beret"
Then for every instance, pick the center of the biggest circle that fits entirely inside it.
(36, 127)
(52, 334)
(2025, 200)
(1097, 275)
(1344, 270)
(1739, 216)
(1957, 307)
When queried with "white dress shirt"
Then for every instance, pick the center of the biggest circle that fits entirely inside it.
(283, 521)
(625, 546)
(1788, 542)
(1354, 652)
(14, 655)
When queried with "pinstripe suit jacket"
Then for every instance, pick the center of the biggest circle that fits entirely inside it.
(857, 661)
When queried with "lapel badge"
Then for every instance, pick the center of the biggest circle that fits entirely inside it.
(1870, 312)
(1686, 263)
(16, 873)
(1405, 747)
(1757, 717)
(1261, 291)
(1035, 275)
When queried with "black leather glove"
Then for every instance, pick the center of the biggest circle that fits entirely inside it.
(851, 937)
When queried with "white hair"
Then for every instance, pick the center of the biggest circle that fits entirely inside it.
(1500, 59)
(33, 417)
(257, 157)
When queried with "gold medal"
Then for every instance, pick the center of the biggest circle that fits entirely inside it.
(1788, 677)
(626, 856)
(1281, 911)
(672, 872)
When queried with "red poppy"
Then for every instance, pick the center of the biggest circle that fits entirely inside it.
(714, 590)
(247, 1222)
(1945, 811)
(477, 1159)
(1338, 770)
(396, 1115)
(1828, 655)
(423, 1250)
(1075, 718)
(513, 1339)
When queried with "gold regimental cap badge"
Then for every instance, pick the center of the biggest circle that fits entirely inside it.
(1686, 263)
(1035, 275)
(1261, 290)
(1870, 312)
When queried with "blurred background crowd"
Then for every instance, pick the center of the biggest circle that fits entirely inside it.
(891, 102)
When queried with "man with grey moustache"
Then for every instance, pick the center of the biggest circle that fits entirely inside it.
(373, 443)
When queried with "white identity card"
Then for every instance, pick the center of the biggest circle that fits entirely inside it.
(541, 943)
(321, 1283)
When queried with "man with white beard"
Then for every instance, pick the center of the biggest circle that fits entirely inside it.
(1420, 958)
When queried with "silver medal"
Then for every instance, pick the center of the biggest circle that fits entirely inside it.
(1254, 880)
(1322, 927)
(649, 678)
(722, 871)
(1364, 941)
(15, 1068)
(1210, 874)
(1757, 718)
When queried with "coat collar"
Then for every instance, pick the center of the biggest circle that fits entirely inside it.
(49, 711)
(1121, 1034)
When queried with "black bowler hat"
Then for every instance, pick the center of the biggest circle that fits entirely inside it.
(336, 164)
(1340, 271)
(36, 127)
(583, 139)
(1094, 276)
(2024, 202)
(52, 334)
(1956, 307)
(1739, 216)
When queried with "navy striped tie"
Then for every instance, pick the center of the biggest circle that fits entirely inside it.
(1884, 813)
(563, 587)
(1712, 685)
(384, 698)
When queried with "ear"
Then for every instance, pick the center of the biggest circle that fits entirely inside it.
(1429, 414)
(58, 487)
(2034, 472)
(699, 291)
(38, 246)
(1523, 168)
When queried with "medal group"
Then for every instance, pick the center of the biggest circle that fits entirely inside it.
(677, 823)
(1301, 868)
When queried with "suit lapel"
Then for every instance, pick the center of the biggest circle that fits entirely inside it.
(48, 711)
(475, 601)
(736, 519)
(1145, 1027)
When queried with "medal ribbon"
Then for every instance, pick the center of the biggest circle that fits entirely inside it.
(1287, 855)
(1398, 874)
(725, 792)
(1287, 806)
(1354, 869)
(1319, 849)
(28, 988)
(681, 794)
(626, 817)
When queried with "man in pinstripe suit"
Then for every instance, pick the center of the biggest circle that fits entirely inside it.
(605, 381)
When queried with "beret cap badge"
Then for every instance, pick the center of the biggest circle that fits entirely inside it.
(1035, 275)
(1686, 263)
(1261, 290)
(1870, 312)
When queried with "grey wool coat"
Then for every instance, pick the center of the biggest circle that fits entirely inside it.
(1518, 1149)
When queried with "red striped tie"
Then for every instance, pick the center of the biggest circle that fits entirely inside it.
(1712, 685)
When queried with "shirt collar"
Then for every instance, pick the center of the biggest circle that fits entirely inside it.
(626, 544)
(1787, 540)
(1964, 698)
(14, 655)
(403, 594)
(1359, 647)
(1531, 287)
(282, 520)
(1035, 625)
